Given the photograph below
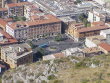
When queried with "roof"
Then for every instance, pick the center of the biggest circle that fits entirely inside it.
(49, 19)
(3, 9)
(17, 4)
(105, 46)
(107, 31)
(58, 55)
(37, 20)
(98, 23)
(7, 39)
(91, 50)
(17, 51)
(97, 39)
(67, 19)
(94, 28)
(53, 56)
(3, 22)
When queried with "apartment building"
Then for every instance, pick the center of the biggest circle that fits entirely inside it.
(97, 15)
(15, 9)
(39, 26)
(79, 32)
(4, 2)
(16, 54)
(2, 24)
(3, 12)
(94, 41)
(30, 10)
(6, 39)
(89, 31)
(73, 27)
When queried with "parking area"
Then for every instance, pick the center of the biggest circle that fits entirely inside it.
(53, 46)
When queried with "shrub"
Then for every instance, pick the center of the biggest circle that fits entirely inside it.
(51, 77)
(43, 81)
(80, 64)
(19, 81)
(58, 81)
(84, 81)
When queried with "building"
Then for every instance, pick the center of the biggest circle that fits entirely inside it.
(94, 41)
(53, 56)
(66, 23)
(73, 52)
(79, 32)
(104, 47)
(97, 15)
(17, 54)
(98, 23)
(4, 2)
(82, 33)
(3, 24)
(16, 9)
(73, 28)
(6, 39)
(30, 10)
(106, 34)
(94, 51)
(101, 2)
(3, 12)
(38, 27)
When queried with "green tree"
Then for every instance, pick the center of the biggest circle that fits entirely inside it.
(58, 38)
(23, 18)
(78, 1)
(41, 50)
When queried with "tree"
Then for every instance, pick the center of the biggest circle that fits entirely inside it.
(23, 18)
(85, 22)
(41, 50)
(58, 38)
(32, 46)
(77, 1)
(83, 18)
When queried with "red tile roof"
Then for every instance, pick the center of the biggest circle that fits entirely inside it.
(17, 4)
(37, 21)
(105, 46)
(98, 23)
(58, 55)
(3, 22)
(10, 39)
(49, 19)
(94, 28)
(3, 9)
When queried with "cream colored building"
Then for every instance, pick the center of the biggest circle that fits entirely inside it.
(93, 41)
(97, 15)
(17, 54)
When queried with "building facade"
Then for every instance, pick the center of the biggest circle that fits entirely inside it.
(16, 54)
(44, 26)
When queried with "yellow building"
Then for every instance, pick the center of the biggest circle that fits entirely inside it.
(79, 32)
(16, 54)
(73, 27)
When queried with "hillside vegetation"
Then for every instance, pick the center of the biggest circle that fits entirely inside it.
(65, 70)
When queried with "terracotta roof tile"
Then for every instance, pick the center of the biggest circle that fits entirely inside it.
(105, 46)
(3, 9)
(58, 55)
(3, 22)
(94, 28)
(10, 39)
(36, 21)
(17, 4)
(98, 23)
